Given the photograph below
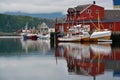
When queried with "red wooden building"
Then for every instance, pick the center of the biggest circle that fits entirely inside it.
(89, 14)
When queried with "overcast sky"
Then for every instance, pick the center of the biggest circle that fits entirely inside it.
(47, 6)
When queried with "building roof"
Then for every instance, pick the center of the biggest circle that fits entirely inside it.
(43, 25)
(81, 7)
(103, 20)
(96, 21)
(111, 20)
(71, 10)
(110, 14)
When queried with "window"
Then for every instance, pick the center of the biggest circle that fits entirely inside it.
(88, 11)
(97, 11)
(110, 26)
(78, 12)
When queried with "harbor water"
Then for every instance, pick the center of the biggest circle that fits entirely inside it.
(40, 60)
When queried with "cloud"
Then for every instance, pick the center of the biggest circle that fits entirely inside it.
(46, 6)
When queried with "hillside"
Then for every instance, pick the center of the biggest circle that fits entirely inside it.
(12, 23)
(38, 15)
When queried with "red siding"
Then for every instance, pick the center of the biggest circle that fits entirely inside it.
(114, 26)
(93, 14)
(84, 15)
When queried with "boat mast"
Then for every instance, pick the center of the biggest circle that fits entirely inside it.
(26, 26)
(98, 22)
(93, 24)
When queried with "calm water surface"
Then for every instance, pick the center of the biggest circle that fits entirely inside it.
(39, 60)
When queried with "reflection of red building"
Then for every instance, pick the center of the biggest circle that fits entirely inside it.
(92, 69)
(116, 55)
(84, 14)
(107, 54)
(85, 67)
(93, 65)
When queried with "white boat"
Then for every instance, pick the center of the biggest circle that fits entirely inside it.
(43, 36)
(103, 35)
(69, 39)
(74, 37)
(75, 34)
(26, 30)
(100, 35)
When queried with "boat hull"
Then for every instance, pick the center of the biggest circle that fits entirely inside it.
(41, 36)
(74, 39)
(101, 36)
(104, 38)
(67, 39)
(86, 39)
(31, 36)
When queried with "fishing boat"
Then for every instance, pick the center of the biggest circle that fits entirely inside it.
(25, 30)
(100, 34)
(103, 35)
(70, 38)
(28, 33)
(30, 36)
(43, 36)
(75, 34)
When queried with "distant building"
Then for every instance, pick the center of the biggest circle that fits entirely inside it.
(43, 28)
(89, 14)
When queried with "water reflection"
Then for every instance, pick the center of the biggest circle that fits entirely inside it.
(17, 46)
(10, 46)
(43, 46)
(89, 59)
(28, 60)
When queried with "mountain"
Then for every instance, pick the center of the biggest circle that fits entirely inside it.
(12, 23)
(45, 15)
